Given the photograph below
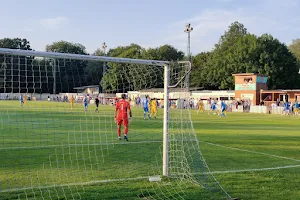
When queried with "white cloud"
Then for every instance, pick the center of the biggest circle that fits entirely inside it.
(209, 25)
(54, 23)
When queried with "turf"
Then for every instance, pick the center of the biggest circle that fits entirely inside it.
(66, 154)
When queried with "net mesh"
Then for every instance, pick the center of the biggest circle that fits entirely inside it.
(53, 149)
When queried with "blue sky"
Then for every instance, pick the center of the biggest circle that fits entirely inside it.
(148, 23)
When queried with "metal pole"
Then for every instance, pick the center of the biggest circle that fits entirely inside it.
(188, 31)
(189, 46)
(166, 120)
(54, 76)
(104, 64)
(189, 59)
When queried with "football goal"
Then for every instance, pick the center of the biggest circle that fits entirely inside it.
(52, 147)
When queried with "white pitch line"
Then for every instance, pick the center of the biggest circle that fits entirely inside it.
(246, 170)
(252, 170)
(250, 151)
(73, 184)
(68, 145)
(145, 177)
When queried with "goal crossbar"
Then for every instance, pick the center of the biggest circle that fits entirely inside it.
(17, 52)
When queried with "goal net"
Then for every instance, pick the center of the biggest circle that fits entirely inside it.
(51, 148)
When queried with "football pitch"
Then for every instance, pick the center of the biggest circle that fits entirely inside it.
(48, 151)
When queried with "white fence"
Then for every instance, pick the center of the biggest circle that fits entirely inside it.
(253, 109)
(231, 108)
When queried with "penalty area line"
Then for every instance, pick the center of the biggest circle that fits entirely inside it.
(250, 151)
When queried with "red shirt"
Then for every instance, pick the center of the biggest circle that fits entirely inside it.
(122, 107)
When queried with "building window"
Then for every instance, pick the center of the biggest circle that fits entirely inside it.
(247, 80)
(284, 97)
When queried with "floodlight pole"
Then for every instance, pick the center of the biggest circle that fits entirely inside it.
(188, 30)
(166, 120)
(104, 46)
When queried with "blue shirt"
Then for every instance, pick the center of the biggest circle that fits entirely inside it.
(297, 105)
(145, 103)
(223, 105)
(213, 106)
(287, 106)
(21, 98)
(85, 100)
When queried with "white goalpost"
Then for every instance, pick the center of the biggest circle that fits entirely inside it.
(52, 148)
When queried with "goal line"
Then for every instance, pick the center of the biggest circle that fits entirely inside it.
(93, 144)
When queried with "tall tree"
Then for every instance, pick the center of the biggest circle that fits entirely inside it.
(13, 68)
(201, 74)
(66, 47)
(15, 43)
(295, 48)
(94, 69)
(241, 52)
(120, 77)
(124, 77)
(70, 73)
(131, 51)
(278, 63)
(165, 52)
(225, 60)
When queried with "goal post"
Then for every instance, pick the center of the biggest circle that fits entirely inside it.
(54, 148)
(166, 119)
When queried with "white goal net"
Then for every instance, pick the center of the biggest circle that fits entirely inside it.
(52, 148)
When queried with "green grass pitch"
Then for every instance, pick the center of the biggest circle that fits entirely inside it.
(49, 151)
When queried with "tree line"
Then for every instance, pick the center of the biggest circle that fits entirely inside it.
(237, 51)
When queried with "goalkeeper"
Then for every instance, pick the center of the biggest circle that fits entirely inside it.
(121, 116)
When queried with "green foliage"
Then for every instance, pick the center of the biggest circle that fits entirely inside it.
(124, 77)
(76, 72)
(15, 43)
(241, 52)
(13, 66)
(277, 62)
(295, 48)
(165, 52)
(66, 47)
(201, 74)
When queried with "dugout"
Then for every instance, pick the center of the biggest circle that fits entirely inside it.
(277, 97)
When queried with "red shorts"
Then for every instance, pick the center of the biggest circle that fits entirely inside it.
(123, 121)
